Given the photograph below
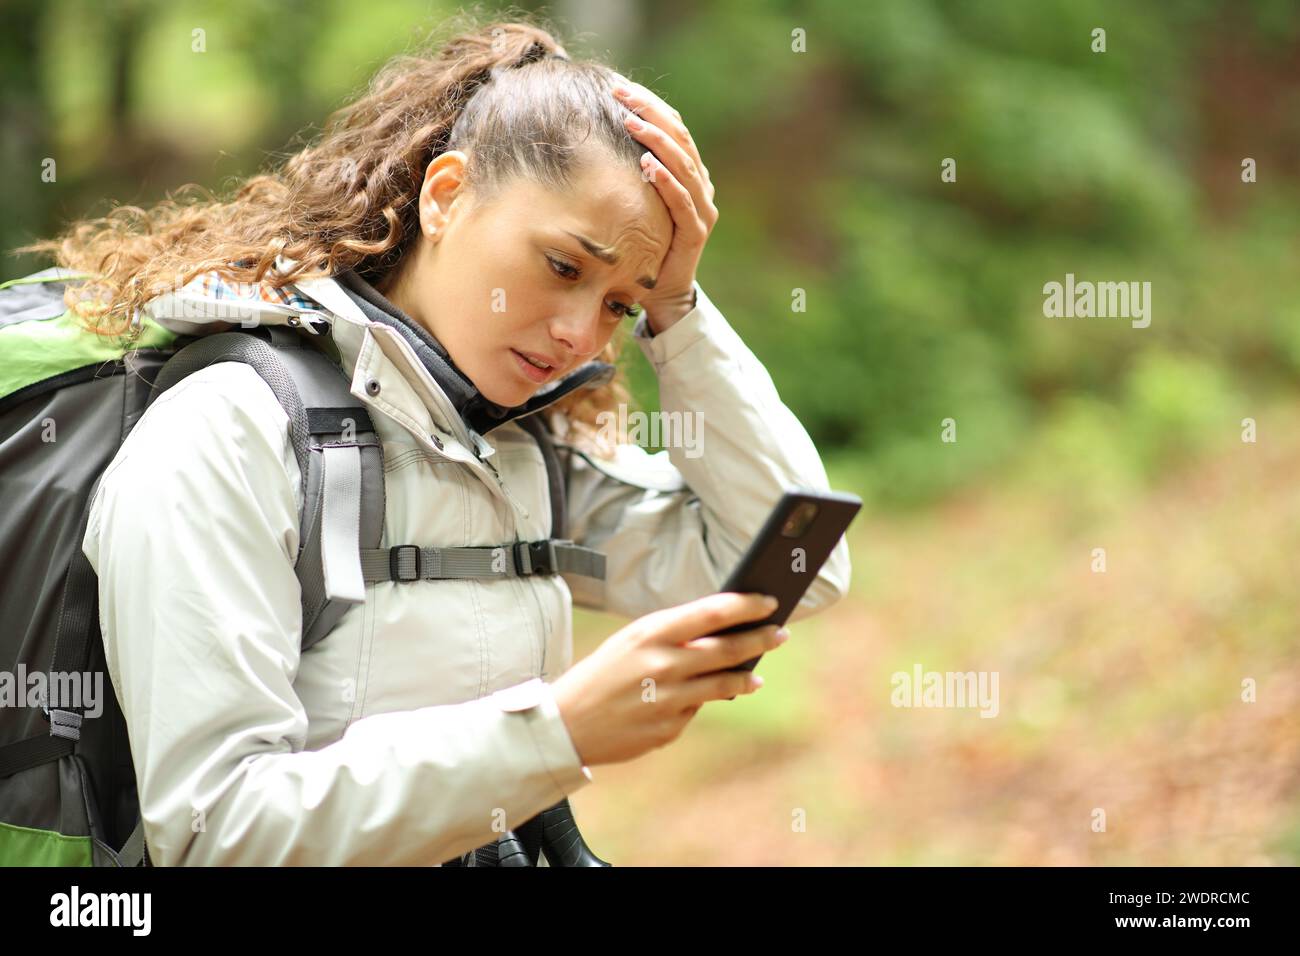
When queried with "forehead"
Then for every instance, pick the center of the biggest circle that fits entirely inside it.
(608, 203)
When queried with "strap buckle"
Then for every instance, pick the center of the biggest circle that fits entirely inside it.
(394, 562)
(536, 557)
(63, 723)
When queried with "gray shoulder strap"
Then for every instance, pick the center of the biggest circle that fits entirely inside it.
(343, 503)
(339, 457)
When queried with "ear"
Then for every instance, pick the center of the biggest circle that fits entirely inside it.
(444, 182)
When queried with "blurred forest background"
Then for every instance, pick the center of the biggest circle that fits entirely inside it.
(1121, 689)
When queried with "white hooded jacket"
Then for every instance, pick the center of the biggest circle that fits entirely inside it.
(424, 721)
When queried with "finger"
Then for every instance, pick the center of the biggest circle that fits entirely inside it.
(720, 686)
(649, 105)
(690, 229)
(671, 156)
(706, 615)
(706, 654)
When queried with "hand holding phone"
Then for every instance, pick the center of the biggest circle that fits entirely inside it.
(791, 547)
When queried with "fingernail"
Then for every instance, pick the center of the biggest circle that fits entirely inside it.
(634, 123)
(782, 635)
(622, 91)
(755, 680)
(772, 603)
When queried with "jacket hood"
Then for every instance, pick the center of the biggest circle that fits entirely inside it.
(211, 303)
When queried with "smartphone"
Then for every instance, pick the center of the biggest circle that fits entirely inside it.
(793, 544)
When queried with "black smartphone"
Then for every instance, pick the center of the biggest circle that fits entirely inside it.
(793, 544)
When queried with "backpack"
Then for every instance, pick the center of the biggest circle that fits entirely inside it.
(68, 399)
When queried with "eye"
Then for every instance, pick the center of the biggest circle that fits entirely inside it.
(621, 310)
(572, 273)
(563, 269)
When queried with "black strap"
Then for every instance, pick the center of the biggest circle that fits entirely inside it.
(78, 624)
(79, 614)
(331, 421)
(32, 752)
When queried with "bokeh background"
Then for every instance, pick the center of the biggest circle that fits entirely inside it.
(1120, 690)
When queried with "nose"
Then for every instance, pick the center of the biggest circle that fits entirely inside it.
(578, 332)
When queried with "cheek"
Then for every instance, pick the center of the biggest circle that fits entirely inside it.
(518, 303)
(487, 307)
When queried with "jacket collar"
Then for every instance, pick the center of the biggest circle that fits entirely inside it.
(434, 365)
(481, 414)
(210, 303)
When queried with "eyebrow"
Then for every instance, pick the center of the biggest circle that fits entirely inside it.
(609, 256)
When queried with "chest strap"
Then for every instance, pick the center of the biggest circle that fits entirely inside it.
(409, 562)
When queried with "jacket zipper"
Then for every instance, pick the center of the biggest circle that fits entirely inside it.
(518, 505)
(457, 427)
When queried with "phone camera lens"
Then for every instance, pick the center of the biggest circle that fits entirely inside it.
(799, 520)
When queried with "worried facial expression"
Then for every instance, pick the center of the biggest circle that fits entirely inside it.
(530, 273)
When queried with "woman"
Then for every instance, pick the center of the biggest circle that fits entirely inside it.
(474, 228)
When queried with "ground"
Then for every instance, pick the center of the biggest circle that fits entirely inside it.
(1122, 735)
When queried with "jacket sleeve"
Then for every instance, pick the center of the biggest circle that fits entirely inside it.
(674, 524)
(193, 531)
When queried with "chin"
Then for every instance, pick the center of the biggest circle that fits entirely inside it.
(508, 394)
(510, 399)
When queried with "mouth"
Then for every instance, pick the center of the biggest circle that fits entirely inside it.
(536, 368)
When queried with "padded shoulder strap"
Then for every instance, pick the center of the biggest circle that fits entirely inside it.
(344, 500)
(339, 457)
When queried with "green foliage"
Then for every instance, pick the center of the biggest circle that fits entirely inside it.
(922, 298)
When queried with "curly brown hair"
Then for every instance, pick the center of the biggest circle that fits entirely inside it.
(505, 92)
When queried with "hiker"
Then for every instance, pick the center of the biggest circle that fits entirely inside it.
(462, 244)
